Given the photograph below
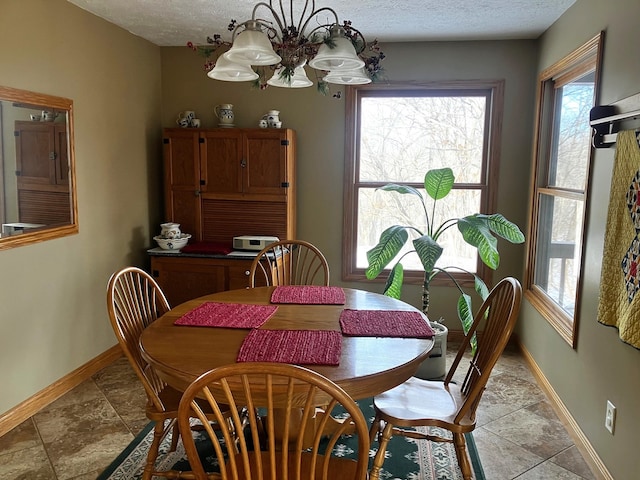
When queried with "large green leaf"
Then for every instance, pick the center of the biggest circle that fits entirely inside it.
(390, 243)
(480, 287)
(502, 227)
(439, 182)
(465, 314)
(393, 187)
(428, 251)
(476, 232)
(393, 286)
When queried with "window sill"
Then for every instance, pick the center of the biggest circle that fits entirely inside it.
(552, 313)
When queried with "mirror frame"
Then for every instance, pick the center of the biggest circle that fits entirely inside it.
(59, 103)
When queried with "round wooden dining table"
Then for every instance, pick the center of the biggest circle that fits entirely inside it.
(368, 365)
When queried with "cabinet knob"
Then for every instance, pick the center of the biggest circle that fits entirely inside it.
(243, 163)
(246, 273)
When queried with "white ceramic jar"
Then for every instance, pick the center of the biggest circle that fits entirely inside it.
(273, 118)
(170, 230)
(224, 112)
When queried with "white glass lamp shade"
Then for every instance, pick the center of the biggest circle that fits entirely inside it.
(348, 77)
(229, 71)
(299, 79)
(341, 56)
(252, 46)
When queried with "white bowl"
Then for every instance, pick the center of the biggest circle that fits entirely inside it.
(172, 243)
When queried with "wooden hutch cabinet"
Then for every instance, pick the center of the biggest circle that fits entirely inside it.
(42, 172)
(221, 183)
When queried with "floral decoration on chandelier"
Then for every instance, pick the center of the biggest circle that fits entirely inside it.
(275, 53)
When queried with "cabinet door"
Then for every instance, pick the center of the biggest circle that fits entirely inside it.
(183, 279)
(265, 154)
(35, 153)
(238, 274)
(222, 161)
(182, 179)
(42, 172)
(62, 158)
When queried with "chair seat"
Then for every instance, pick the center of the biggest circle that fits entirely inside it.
(423, 402)
(339, 468)
(170, 398)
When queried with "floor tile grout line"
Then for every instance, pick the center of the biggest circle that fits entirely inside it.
(542, 461)
(126, 425)
(44, 445)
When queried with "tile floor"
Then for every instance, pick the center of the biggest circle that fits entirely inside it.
(518, 434)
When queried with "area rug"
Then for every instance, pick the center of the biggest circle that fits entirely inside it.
(407, 459)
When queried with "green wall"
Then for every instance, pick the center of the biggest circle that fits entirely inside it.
(601, 368)
(53, 294)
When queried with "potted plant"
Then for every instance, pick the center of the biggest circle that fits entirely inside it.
(478, 230)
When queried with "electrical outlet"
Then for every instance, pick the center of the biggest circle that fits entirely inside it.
(610, 417)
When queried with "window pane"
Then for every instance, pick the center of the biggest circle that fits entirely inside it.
(403, 137)
(378, 210)
(572, 134)
(558, 248)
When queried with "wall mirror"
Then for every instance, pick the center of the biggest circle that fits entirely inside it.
(37, 168)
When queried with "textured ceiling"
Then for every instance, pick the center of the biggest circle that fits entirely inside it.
(175, 22)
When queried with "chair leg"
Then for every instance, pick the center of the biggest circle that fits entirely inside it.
(152, 455)
(378, 460)
(374, 430)
(175, 436)
(461, 453)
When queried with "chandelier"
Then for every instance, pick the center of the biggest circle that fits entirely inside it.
(274, 52)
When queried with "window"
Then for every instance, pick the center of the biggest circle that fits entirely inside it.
(567, 92)
(396, 133)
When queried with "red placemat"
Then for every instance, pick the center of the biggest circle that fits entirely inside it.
(211, 248)
(308, 294)
(229, 315)
(384, 323)
(317, 347)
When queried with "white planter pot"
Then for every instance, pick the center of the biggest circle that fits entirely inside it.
(435, 366)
